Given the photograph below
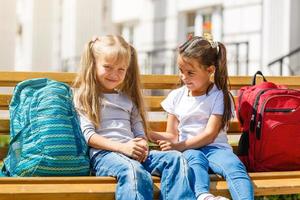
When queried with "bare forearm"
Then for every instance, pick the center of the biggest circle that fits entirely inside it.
(99, 142)
(155, 136)
(196, 142)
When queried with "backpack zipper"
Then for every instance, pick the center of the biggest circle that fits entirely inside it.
(284, 110)
(254, 110)
(239, 108)
(259, 122)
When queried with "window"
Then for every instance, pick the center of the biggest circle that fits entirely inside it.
(128, 33)
(190, 29)
(207, 23)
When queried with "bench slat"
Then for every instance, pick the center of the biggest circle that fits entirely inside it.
(149, 81)
(107, 191)
(264, 184)
(153, 102)
(234, 127)
(4, 126)
(9, 78)
(102, 179)
(3, 152)
(4, 101)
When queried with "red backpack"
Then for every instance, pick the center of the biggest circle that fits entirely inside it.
(269, 115)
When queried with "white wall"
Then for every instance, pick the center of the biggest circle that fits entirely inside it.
(84, 20)
(295, 34)
(276, 34)
(44, 35)
(242, 23)
(8, 33)
(23, 54)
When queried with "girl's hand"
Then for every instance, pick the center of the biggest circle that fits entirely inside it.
(167, 145)
(135, 149)
(143, 142)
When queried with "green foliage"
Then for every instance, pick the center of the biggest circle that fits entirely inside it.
(4, 140)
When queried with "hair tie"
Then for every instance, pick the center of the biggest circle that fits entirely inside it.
(93, 41)
(209, 38)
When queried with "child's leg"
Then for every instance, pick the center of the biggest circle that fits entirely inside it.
(198, 163)
(134, 182)
(228, 165)
(174, 172)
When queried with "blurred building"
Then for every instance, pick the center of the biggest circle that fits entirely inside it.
(49, 35)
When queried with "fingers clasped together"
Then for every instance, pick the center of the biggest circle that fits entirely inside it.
(137, 149)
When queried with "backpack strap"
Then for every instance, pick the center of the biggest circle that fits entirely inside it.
(3, 171)
(254, 77)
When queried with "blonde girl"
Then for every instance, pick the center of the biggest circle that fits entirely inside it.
(112, 116)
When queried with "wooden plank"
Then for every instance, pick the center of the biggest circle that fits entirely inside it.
(290, 81)
(63, 191)
(262, 187)
(4, 126)
(105, 186)
(63, 180)
(62, 188)
(234, 127)
(4, 101)
(274, 175)
(265, 175)
(110, 180)
(160, 126)
(3, 152)
(160, 81)
(9, 78)
(152, 102)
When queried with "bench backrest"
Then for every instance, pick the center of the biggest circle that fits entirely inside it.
(159, 85)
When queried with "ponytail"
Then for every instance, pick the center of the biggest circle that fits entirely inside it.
(86, 95)
(222, 83)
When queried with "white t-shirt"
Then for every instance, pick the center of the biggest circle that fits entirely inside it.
(193, 112)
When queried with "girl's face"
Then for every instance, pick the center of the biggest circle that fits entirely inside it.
(110, 74)
(194, 76)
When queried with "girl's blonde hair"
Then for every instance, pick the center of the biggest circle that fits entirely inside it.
(88, 95)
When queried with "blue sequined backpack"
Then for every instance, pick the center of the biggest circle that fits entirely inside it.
(45, 135)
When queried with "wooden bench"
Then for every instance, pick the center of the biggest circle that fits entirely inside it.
(75, 188)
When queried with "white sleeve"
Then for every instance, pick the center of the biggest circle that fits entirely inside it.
(218, 105)
(168, 104)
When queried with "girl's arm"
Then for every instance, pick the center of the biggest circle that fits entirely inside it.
(171, 133)
(206, 137)
(134, 148)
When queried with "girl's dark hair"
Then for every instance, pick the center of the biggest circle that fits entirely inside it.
(208, 53)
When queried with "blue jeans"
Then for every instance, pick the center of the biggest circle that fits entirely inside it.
(223, 162)
(134, 178)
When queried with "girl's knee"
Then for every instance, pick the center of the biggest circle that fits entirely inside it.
(193, 155)
(171, 156)
(134, 172)
(175, 158)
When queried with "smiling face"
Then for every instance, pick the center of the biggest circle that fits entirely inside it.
(194, 76)
(110, 73)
